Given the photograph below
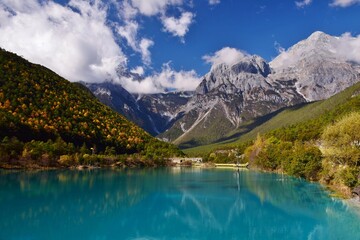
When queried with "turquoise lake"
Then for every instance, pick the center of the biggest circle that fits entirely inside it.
(174, 203)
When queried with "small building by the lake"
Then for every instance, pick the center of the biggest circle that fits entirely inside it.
(183, 160)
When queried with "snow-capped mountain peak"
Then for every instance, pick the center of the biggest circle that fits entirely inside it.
(318, 64)
(317, 45)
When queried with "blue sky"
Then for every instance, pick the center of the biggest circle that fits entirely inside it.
(252, 26)
(165, 41)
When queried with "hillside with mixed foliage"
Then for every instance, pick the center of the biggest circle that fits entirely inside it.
(325, 152)
(301, 122)
(38, 105)
(319, 141)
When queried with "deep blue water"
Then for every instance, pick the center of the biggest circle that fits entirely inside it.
(174, 203)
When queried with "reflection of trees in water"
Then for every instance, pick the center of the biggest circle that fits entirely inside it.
(79, 196)
(272, 213)
(291, 195)
(294, 196)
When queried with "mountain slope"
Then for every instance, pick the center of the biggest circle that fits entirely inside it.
(120, 100)
(229, 97)
(302, 122)
(153, 112)
(162, 109)
(37, 104)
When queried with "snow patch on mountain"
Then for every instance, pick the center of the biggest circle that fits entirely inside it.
(103, 91)
(318, 64)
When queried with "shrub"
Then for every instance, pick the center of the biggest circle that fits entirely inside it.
(349, 175)
(304, 161)
(342, 140)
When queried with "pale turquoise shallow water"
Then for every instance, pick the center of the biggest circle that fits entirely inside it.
(169, 204)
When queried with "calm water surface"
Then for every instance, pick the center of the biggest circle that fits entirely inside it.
(169, 204)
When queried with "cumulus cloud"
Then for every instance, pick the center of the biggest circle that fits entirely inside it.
(129, 31)
(144, 45)
(73, 41)
(303, 3)
(226, 55)
(167, 79)
(178, 26)
(77, 40)
(138, 70)
(129, 10)
(349, 47)
(125, 9)
(344, 3)
(154, 7)
(214, 2)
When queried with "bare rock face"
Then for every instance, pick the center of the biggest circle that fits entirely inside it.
(228, 96)
(153, 112)
(163, 108)
(319, 68)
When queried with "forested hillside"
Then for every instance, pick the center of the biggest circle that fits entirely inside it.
(37, 104)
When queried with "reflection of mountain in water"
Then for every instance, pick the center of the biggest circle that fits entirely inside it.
(168, 204)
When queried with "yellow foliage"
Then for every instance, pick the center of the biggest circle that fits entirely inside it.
(7, 104)
(341, 141)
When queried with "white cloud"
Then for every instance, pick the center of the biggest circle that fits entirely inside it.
(214, 2)
(76, 44)
(77, 40)
(154, 7)
(178, 26)
(125, 9)
(278, 47)
(303, 3)
(129, 11)
(349, 47)
(138, 70)
(167, 79)
(144, 45)
(129, 32)
(21, 6)
(226, 55)
(344, 3)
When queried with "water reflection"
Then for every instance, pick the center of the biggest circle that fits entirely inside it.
(169, 204)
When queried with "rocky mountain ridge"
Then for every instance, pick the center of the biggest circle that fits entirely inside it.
(230, 96)
(153, 112)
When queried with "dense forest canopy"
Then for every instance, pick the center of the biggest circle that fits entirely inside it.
(38, 105)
